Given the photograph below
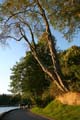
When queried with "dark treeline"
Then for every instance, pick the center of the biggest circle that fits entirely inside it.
(13, 100)
(9, 100)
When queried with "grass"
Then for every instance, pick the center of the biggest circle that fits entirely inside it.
(56, 110)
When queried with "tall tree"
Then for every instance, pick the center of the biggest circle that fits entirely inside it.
(28, 77)
(29, 19)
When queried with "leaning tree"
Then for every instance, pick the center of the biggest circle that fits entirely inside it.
(31, 20)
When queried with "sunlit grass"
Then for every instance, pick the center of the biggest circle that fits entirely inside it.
(58, 111)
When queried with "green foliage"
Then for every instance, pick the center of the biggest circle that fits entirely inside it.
(26, 19)
(4, 99)
(58, 13)
(43, 52)
(70, 64)
(58, 111)
(28, 77)
(42, 101)
(15, 99)
(64, 15)
(27, 72)
(9, 100)
(46, 97)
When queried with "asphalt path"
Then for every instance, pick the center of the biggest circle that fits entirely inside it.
(22, 115)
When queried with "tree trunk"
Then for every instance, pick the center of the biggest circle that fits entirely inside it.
(56, 64)
(53, 75)
(57, 70)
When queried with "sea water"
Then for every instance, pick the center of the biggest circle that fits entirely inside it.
(5, 109)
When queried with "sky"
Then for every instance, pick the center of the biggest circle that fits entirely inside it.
(9, 55)
(12, 53)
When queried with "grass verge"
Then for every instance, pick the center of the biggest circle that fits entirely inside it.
(57, 111)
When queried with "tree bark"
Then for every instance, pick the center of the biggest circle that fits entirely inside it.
(56, 64)
(51, 44)
(51, 74)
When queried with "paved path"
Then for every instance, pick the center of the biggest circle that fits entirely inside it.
(22, 115)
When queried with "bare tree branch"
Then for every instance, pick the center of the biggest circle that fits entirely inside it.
(22, 32)
(14, 38)
(30, 29)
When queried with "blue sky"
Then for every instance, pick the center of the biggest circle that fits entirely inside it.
(63, 43)
(9, 55)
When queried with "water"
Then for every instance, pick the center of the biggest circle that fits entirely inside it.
(5, 109)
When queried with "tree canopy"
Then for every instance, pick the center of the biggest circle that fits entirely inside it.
(59, 14)
(29, 80)
(31, 19)
(70, 64)
(28, 77)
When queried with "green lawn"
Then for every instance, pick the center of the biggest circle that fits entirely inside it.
(58, 111)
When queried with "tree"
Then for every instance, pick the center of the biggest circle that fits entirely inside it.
(4, 99)
(35, 17)
(28, 77)
(64, 16)
(70, 65)
(29, 80)
(9, 100)
(16, 78)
